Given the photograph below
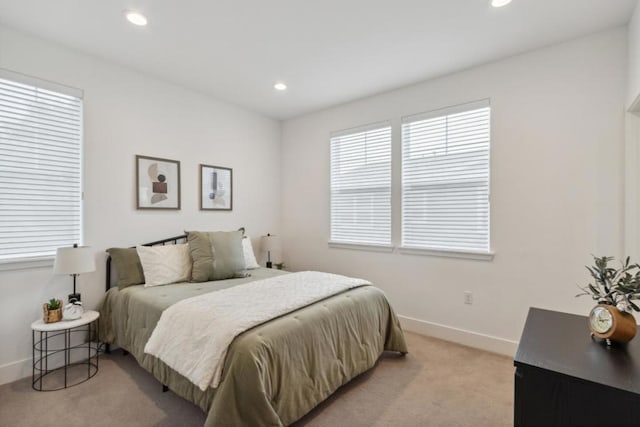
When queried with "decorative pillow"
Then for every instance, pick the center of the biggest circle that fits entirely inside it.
(216, 255)
(127, 264)
(228, 256)
(165, 264)
(249, 256)
(201, 254)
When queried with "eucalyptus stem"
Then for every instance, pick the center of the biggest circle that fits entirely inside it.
(617, 287)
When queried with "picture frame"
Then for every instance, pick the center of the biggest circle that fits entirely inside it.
(216, 188)
(157, 183)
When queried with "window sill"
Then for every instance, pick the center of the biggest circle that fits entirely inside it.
(478, 256)
(361, 247)
(26, 263)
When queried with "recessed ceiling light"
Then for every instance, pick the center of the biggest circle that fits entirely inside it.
(280, 86)
(500, 3)
(136, 18)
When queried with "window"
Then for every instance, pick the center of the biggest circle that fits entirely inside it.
(445, 179)
(40, 168)
(361, 185)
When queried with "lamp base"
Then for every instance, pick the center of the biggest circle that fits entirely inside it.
(74, 297)
(269, 264)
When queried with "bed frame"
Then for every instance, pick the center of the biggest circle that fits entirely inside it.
(397, 343)
(171, 240)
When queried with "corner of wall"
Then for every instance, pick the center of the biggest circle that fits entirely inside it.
(633, 46)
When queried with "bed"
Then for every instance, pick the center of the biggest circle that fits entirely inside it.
(274, 373)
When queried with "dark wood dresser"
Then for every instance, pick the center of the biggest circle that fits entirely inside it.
(564, 378)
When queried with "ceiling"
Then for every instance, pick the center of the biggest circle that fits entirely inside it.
(327, 51)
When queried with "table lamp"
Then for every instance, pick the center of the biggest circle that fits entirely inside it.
(269, 244)
(74, 261)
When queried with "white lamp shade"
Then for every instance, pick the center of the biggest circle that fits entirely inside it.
(74, 260)
(270, 243)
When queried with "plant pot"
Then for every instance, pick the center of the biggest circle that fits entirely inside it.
(51, 316)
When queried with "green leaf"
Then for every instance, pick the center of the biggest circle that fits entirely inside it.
(594, 290)
(612, 285)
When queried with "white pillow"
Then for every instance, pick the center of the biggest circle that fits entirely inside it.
(165, 264)
(249, 257)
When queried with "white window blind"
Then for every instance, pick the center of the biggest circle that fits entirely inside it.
(40, 169)
(361, 185)
(445, 179)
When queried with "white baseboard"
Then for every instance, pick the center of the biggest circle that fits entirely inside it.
(20, 369)
(15, 371)
(460, 336)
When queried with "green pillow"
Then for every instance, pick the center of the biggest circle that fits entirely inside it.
(216, 255)
(228, 256)
(127, 264)
(201, 255)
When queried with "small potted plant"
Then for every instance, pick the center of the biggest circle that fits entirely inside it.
(614, 289)
(52, 311)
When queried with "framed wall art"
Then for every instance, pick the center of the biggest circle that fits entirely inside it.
(157, 183)
(216, 188)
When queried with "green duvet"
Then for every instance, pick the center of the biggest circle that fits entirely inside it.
(276, 372)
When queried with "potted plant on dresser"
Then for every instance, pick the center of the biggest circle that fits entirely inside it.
(614, 289)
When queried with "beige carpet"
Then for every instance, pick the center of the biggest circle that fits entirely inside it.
(436, 384)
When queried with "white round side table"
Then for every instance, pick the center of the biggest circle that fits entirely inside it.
(42, 333)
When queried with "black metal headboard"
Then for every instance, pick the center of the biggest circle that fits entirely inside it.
(172, 240)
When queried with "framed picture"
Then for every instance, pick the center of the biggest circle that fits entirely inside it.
(216, 188)
(157, 183)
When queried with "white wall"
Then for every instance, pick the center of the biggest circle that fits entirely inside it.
(127, 113)
(632, 138)
(556, 190)
(634, 57)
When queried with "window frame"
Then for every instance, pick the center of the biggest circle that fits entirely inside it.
(43, 261)
(436, 251)
(361, 245)
(397, 225)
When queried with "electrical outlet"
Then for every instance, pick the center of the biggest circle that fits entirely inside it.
(468, 297)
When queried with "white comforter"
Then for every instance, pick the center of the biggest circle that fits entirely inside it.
(193, 335)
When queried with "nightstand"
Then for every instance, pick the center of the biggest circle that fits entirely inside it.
(565, 378)
(71, 364)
